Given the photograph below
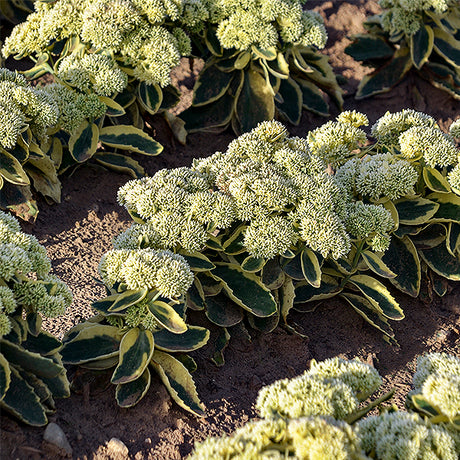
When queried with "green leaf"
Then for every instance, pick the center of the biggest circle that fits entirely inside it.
(242, 60)
(150, 97)
(453, 238)
(387, 76)
(126, 299)
(265, 325)
(59, 385)
(368, 47)
(443, 77)
(435, 180)
(287, 298)
(449, 207)
(101, 364)
(310, 267)
(171, 97)
(43, 343)
(114, 109)
(424, 406)
(83, 142)
(235, 243)
(44, 176)
(402, 258)
(253, 264)
(5, 376)
(136, 350)
(195, 296)
(11, 170)
(305, 292)
(193, 338)
(378, 295)
(272, 274)
(34, 323)
(245, 289)
(129, 394)
(376, 264)
(415, 211)
(441, 262)
(178, 381)
(18, 199)
(213, 117)
(421, 45)
(210, 85)
(92, 342)
(312, 98)
(269, 54)
(212, 42)
(220, 345)
(197, 261)
(447, 46)
(209, 285)
(367, 311)
(431, 236)
(291, 107)
(255, 102)
(21, 401)
(222, 311)
(120, 163)
(29, 361)
(293, 268)
(129, 138)
(167, 316)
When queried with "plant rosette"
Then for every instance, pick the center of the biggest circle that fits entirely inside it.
(31, 370)
(419, 35)
(261, 60)
(140, 326)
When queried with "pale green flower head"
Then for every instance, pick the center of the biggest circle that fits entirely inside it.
(335, 141)
(436, 148)
(306, 396)
(388, 128)
(455, 128)
(138, 236)
(8, 224)
(158, 11)
(5, 325)
(13, 259)
(441, 364)
(215, 207)
(404, 436)
(8, 303)
(454, 178)
(174, 276)
(444, 393)
(361, 377)
(314, 31)
(376, 176)
(269, 236)
(93, 72)
(111, 265)
(140, 269)
(354, 118)
(139, 314)
(315, 438)
(367, 220)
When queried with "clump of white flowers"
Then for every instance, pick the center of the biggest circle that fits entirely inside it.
(333, 387)
(265, 24)
(148, 38)
(163, 271)
(406, 15)
(22, 107)
(25, 280)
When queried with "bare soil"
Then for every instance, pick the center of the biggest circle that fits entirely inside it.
(78, 231)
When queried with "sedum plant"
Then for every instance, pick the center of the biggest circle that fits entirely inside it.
(31, 370)
(121, 50)
(266, 226)
(316, 415)
(141, 326)
(47, 129)
(423, 35)
(261, 60)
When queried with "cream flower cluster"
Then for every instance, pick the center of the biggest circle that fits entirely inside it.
(24, 276)
(23, 106)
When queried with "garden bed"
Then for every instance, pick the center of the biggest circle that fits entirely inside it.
(79, 231)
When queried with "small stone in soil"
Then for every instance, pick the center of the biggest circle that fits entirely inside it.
(117, 447)
(54, 435)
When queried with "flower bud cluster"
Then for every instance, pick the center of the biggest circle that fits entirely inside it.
(24, 276)
(265, 24)
(22, 107)
(163, 271)
(407, 15)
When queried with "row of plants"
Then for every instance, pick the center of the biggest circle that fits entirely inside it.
(111, 62)
(273, 225)
(244, 237)
(321, 414)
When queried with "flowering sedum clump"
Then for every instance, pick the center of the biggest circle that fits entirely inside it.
(261, 59)
(298, 423)
(31, 372)
(410, 34)
(140, 325)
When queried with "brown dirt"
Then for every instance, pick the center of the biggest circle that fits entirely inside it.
(79, 230)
